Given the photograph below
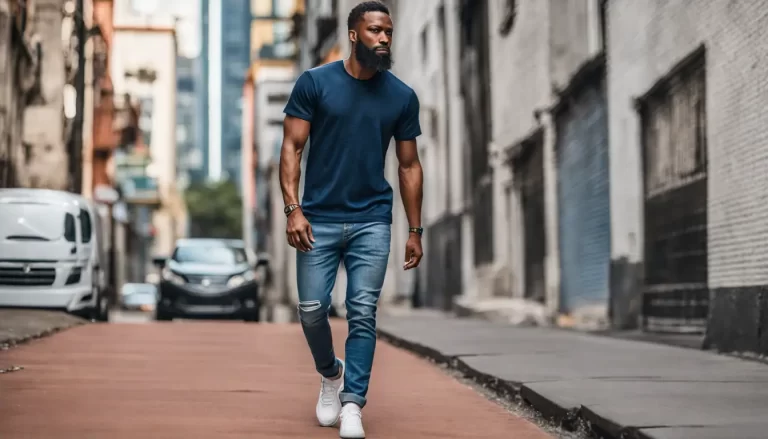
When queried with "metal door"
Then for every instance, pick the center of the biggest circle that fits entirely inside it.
(529, 179)
(673, 124)
(444, 251)
(583, 199)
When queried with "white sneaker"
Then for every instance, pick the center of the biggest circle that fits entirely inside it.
(351, 422)
(328, 404)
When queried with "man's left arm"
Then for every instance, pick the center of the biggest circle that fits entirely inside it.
(411, 179)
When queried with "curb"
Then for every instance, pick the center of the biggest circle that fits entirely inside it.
(567, 418)
(13, 341)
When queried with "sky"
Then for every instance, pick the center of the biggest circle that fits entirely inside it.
(187, 29)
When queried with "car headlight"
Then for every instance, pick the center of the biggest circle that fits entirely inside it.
(239, 279)
(173, 277)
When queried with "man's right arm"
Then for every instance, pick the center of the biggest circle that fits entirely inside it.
(295, 134)
(299, 113)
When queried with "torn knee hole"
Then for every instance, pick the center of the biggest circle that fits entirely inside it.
(309, 305)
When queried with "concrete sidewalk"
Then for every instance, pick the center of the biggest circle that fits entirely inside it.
(621, 388)
(21, 325)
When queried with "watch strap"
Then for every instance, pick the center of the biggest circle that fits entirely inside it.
(290, 208)
(418, 230)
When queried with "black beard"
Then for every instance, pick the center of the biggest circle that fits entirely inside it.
(369, 59)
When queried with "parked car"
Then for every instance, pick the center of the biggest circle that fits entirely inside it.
(260, 262)
(52, 253)
(138, 297)
(208, 277)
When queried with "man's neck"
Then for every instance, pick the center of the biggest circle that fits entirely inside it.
(356, 70)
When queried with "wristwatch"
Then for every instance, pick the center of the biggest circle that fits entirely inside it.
(290, 208)
(418, 230)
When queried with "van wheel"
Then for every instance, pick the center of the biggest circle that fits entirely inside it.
(100, 311)
(102, 308)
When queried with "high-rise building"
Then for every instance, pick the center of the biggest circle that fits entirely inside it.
(226, 40)
(201, 92)
(189, 164)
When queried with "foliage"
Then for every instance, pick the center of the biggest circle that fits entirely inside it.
(215, 210)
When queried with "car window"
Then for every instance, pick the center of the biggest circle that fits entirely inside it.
(85, 226)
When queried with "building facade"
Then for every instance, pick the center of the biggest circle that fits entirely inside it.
(228, 59)
(685, 123)
(147, 173)
(201, 93)
(189, 165)
(19, 83)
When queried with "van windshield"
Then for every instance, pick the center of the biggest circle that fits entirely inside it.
(36, 222)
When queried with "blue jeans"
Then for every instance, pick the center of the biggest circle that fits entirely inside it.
(364, 249)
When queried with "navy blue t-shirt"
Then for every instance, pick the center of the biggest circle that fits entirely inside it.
(351, 124)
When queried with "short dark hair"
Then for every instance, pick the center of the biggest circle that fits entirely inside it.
(356, 14)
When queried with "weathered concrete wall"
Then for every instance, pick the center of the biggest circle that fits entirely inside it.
(45, 144)
(547, 43)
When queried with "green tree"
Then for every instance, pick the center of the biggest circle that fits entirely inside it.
(215, 210)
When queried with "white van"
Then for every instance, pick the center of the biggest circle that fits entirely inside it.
(51, 253)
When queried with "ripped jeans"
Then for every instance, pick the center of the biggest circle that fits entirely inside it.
(364, 249)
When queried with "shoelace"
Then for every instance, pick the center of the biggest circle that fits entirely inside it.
(327, 392)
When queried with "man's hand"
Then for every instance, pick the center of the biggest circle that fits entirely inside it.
(413, 252)
(299, 231)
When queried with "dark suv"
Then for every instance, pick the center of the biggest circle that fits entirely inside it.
(208, 278)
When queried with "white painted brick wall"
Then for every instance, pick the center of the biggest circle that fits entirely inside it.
(519, 64)
(519, 71)
(646, 38)
(546, 45)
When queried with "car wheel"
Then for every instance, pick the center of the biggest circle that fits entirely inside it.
(253, 315)
(161, 316)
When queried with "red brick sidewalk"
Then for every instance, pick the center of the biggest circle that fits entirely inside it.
(222, 380)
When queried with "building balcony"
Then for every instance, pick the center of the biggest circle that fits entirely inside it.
(135, 185)
(140, 190)
(105, 138)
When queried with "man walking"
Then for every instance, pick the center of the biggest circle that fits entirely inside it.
(349, 110)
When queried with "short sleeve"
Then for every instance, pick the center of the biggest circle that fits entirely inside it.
(303, 98)
(408, 126)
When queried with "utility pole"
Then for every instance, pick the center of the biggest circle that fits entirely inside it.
(76, 154)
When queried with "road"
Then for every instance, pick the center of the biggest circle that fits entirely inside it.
(210, 379)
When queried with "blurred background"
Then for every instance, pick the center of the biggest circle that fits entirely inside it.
(566, 146)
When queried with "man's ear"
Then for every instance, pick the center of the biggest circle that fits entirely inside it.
(352, 36)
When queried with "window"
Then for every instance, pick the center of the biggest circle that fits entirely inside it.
(278, 98)
(673, 119)
(70, 230)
